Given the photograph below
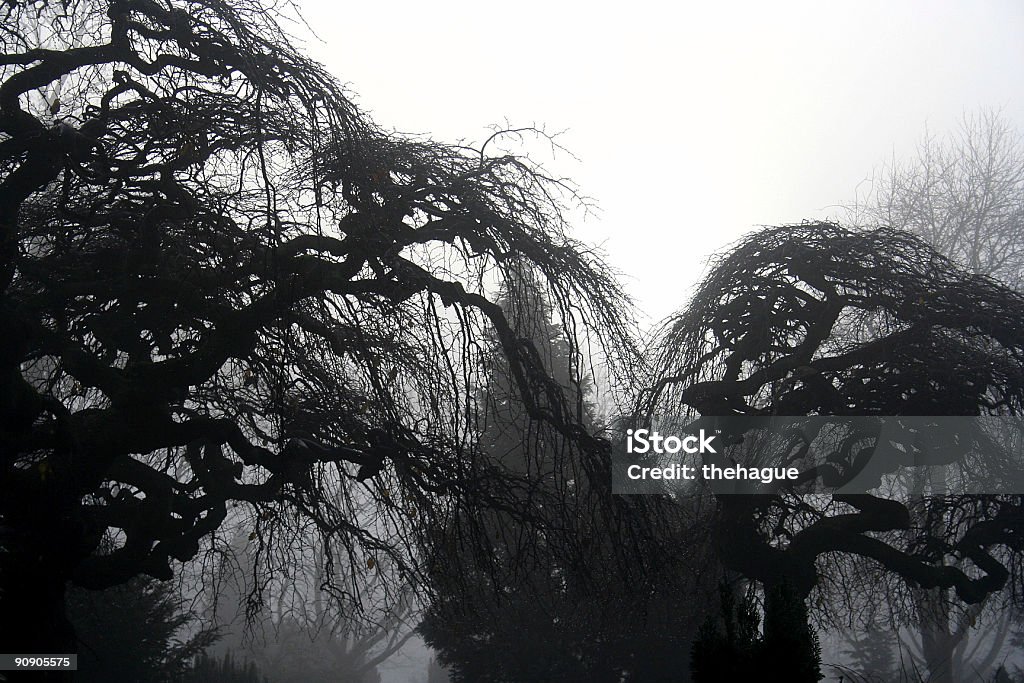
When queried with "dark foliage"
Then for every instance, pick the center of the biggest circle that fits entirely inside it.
(526, 635)
(534, 617)
(790, 648)
(137, 631)
(732, 648)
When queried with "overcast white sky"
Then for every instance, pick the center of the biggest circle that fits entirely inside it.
(693, 123)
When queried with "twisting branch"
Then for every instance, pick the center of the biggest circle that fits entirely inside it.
(816, 319)
(232, 299)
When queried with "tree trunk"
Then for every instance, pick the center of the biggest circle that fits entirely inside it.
(934, 609)
(936, 640)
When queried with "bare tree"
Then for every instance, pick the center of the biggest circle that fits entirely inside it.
(963, 194)
(781, 327)
(229, 297)
(307, 631)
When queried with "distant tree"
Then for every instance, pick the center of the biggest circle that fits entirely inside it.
(305, 633)
(228, 296)
(872, 655)
(816, 319)
(226, 669)
(963, 194)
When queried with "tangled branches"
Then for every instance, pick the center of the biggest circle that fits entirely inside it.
(816, 319)
(231, 298)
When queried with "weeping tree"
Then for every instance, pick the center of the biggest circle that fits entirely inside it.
(818, 320)
(230, 299)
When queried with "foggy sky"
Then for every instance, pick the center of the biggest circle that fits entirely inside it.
(692, 123)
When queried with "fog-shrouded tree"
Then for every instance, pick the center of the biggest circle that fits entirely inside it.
(305, 632)
(872, 655)
(816, 319)
(539, 618)
(208, 669)
(230, 299)
(962, 193)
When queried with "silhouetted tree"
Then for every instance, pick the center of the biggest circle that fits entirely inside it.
(221, 284)
(226, 669)
(815, 319)
(734, 649)
(790, 646)
(963, 194)
(729, 648)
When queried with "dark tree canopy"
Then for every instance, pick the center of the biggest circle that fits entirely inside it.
(222, 285)
(816, 319)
